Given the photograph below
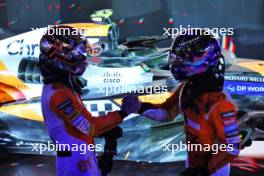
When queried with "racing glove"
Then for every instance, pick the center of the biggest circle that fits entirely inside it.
(110, 149)
(130, 104)
(153, 112)
(196, 171)
(245, 139)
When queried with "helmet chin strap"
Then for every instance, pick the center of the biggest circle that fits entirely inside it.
(71, 84)
(74, 82)
(77, 83)
(200, 84)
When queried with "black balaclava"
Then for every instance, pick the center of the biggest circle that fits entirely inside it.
(52, 75)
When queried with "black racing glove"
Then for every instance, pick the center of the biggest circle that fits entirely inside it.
(110, 149)
(196, 171)
(245, 138)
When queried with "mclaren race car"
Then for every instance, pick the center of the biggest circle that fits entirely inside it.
(109, 79)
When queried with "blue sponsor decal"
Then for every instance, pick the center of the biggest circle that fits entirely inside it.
(230, 128)
(67, 107)
(236, 145)
(78, 120)
(244, 88)
(235, 139)
(228, 114)
(232, 133)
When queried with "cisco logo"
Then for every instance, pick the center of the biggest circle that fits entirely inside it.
(111, 77)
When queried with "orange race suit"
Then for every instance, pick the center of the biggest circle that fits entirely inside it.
(211, 119)
(69, 122)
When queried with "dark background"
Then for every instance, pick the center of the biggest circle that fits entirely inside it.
(246, 17)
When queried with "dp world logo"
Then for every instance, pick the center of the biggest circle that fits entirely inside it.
(94, 50)
(231, 88)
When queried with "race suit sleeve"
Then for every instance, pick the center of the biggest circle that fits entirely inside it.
(70, 108)
(223, 119)
(165, 111)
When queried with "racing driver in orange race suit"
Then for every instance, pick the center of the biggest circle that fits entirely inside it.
(210, 117)
(62, 61)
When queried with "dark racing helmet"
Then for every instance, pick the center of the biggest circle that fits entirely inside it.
(63, 51)
(195, 53)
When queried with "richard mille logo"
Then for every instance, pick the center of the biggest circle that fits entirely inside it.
(111, 77)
